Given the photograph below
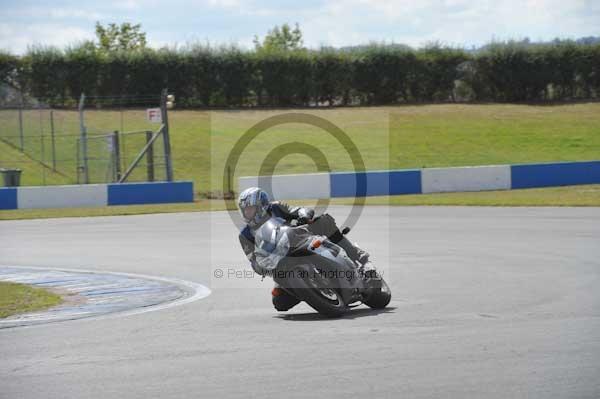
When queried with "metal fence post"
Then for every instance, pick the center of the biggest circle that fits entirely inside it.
(166, 139)
(150, 157)
(52, 142)
(116, 154)
(42, 145)
(78, 167)
(21, 141)
(83, 131)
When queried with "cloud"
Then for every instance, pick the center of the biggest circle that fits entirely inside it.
(248, 8)
(62, 13)
(337, 23)
(45, 12)
(128, 4)
(225, 3)
(459, 22)
(17, 37)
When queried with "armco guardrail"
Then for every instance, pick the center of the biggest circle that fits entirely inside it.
(90, 195)
(424, 181)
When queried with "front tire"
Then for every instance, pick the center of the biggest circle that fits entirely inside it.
(320, 296)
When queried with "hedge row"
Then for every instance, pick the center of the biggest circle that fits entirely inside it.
(204, 77)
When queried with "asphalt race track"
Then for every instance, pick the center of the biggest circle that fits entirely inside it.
(487, 303)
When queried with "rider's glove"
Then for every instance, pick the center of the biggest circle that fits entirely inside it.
(305, 215)
(255, 266)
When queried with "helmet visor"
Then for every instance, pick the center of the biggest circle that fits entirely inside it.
(249, 212)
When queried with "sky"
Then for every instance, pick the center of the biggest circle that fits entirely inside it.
(464, 23)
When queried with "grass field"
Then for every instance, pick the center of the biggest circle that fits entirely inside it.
(412, 137)
(387, 137)
(19, 298)
(33, 173)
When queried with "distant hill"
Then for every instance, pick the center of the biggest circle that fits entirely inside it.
(588, 40)
(363, 47)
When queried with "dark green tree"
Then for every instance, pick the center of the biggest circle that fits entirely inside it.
(120, 37)
(9, 69)
(282, 38)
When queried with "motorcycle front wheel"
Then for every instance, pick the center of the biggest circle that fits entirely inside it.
(319, 294)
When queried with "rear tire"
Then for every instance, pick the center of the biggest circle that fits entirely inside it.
(380, 297)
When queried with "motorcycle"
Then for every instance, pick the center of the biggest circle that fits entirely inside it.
(316, 270)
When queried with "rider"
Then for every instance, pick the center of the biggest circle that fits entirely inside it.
(256, 209)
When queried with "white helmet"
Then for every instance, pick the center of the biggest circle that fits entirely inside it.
(253, 203)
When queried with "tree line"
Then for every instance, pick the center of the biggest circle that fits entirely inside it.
(203, 76)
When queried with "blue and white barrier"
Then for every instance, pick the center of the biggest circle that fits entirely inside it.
(425, 181)
(90, 195)
(555, 174)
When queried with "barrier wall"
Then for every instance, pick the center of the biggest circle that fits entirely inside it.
(149, 193)
(555, 174)
(8, 198)
(90, 195)
(480, 178)
(423, 181)
(62, 196)
(375, 183)
(317, 185)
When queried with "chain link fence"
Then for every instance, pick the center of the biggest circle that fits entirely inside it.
(101, 141)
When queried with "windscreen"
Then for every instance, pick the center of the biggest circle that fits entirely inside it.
(272, 243)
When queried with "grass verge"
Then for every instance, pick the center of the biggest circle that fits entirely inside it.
(196, 206)
(19, 298)
(588, 195)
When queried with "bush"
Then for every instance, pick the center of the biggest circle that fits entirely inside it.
(382, 75)
(47, 78)
(332, 77)
(373, 74)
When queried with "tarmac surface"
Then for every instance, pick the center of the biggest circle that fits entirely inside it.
(487, 302)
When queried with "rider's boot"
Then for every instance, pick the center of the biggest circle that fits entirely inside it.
(366, 268)
(369, 271)
(354, 252)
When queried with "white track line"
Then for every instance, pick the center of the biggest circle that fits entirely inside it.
(195, 292)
